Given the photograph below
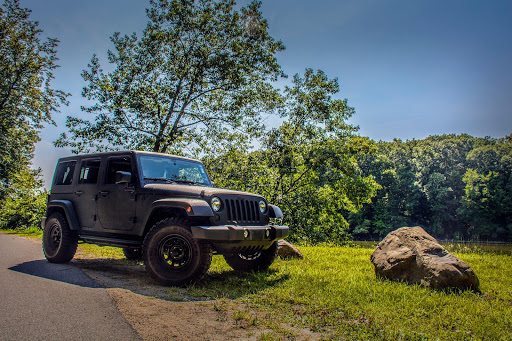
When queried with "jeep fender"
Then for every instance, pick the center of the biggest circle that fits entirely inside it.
(193, 207)
(69, 210)
(275, 212)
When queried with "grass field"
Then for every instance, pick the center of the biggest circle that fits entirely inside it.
(334, 292)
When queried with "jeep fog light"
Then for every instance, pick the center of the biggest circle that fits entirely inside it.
(246, 233)
(216, 204)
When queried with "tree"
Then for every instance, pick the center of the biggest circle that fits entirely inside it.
(487, 202)
(399, 201)
(197, 78)
(308, 165)
(27, 100)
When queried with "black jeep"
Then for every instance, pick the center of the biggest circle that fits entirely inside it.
(160, 208)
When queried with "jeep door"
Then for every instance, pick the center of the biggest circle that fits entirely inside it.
(116, 202)
(85, 192)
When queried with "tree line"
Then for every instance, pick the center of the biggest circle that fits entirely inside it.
(456, 186)
(199, 81)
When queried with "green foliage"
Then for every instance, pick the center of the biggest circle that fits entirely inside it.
(198, 76)
(27, 99)
(456, 186)
(24, 205)
(308, 166)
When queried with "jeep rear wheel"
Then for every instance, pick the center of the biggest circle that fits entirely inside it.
(172, 256)
(59, 242)
(133, 253)
(253, 261)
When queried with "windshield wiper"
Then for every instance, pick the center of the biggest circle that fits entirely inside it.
(161, 179)
(187, 182)
(173, 181)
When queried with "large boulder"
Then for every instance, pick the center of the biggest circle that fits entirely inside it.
(286, 250)
(412, 255)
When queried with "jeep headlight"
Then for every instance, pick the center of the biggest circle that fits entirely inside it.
(263, 206)
(216, 204)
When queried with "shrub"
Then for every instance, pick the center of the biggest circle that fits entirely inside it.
(24, 203)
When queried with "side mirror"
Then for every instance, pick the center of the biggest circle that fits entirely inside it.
(212, 183)
(123, 177)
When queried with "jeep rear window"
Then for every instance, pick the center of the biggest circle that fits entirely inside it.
(64, 173)
(173, 169)
(89, 172)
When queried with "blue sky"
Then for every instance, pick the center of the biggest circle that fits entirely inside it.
(410, 68)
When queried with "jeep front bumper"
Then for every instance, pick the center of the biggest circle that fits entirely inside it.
(237, 234)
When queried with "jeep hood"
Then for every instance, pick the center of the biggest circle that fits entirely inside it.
(192, 191)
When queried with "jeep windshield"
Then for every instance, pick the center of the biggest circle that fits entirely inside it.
(173, 170)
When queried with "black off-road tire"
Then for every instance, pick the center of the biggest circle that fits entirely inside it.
(257, 261)
(172, 256)
(59, 242)
(133, 253)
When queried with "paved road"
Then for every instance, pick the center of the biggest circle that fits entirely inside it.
(44, 301)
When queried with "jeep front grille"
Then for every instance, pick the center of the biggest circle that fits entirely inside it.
(243, 210)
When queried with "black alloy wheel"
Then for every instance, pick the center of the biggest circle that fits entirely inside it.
(54, 235)
(59, 242)
(172, 256)
(175, 252)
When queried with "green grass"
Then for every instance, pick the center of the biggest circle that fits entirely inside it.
(30, 232)
(95, 251)
(334, 291)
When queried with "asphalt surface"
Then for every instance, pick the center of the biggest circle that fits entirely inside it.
(44, 301)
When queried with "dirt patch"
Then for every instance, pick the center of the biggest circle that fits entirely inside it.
(156, 319)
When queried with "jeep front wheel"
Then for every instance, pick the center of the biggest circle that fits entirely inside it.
(59, 242)
(253, 261)
(172, 256)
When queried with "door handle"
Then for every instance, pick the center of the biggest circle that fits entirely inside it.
(103, 193)
(79, 193)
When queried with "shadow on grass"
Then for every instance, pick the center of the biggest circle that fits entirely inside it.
(132, 276)
(234, 284)
(446, 290)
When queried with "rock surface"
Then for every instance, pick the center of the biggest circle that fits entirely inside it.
(412, 255)
(286, 250)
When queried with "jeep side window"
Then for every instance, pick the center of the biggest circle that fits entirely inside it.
(116, 164)
(89, 172)
(64, 173)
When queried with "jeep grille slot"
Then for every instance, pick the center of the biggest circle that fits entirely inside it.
(242, 210)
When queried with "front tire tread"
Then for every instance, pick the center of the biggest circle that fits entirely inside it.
(201, 254)
(68, 240)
